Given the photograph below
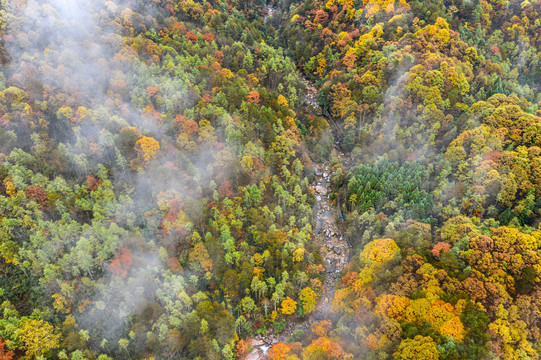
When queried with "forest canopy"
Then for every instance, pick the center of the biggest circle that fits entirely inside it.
(174, 175)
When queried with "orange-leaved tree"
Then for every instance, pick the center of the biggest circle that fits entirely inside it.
(120, 266)
(253, 97)
(279, 351)
(5, 354)
(325, 348)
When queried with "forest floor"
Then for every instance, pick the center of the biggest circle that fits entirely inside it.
(333, 246)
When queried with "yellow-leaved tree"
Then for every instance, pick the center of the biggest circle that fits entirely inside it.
(418, 348)
(37, 337)
(147, 148)
(308, 298)
(289, 306)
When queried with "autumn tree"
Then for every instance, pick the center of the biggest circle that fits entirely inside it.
(288, 306)
(5, 354)
(38, 337)
(122, 263)
(279, 351)
(308, 298)
(147, 148)
(420, 347)
(253, 97)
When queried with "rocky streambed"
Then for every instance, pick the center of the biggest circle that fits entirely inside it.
(334, 248)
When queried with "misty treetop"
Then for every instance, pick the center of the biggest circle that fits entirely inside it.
(158, 185)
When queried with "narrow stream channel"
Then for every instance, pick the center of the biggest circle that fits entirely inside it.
(334, 247)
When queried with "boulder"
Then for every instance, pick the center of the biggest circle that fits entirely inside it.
(254, 355)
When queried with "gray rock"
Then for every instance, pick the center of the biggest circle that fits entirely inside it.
(258, 342)
(254, 355)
